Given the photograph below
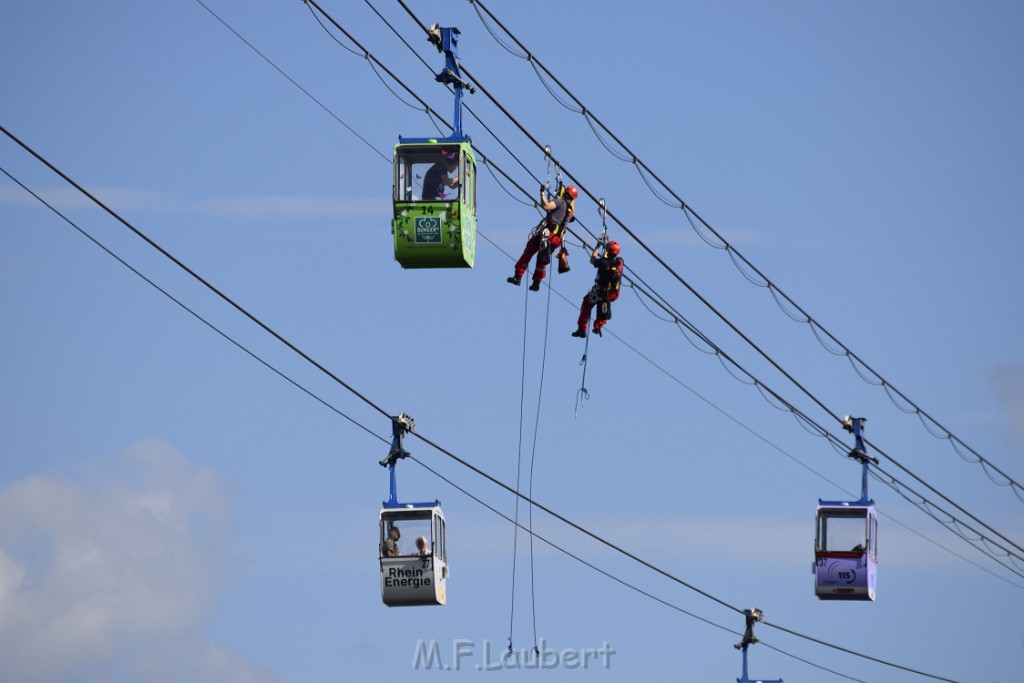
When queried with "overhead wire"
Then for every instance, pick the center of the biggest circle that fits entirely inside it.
(650, 178)
(631, 586)
(366, 429)
(191, 311)
(373, 59)
(461, 461)
(358, 424)
(834, 415)
(727, 362)
(208, 285)
(329, 405)
(292, 80)
(180, 264)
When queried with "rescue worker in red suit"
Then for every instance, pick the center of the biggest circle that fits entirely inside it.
(604, 291)
(546, 237)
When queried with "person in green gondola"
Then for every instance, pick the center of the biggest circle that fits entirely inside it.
(438, 177)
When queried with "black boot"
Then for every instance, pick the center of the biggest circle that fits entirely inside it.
(514, 280)
(535, 286)
(582, 333)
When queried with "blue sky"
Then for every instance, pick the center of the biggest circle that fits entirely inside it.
(171, 509)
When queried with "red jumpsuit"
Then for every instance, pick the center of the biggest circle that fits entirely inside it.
(553, 223)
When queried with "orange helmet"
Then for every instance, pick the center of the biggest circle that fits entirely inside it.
(572, 191)
(613, 248)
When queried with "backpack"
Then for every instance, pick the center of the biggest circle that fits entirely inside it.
(611, 289)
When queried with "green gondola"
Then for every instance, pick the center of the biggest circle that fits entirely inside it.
(434, 223)
(434, 185)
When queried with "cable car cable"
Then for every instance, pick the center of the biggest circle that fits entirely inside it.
(292, 80)
(371, 56)
(644, 170)
(186, 308)
(701, 298)
(613, 577)
(336, 379)
(206, 283)
(927, 510)
(327, 404)
(103, 206)
(707, 303)
(424, 439)
(651, 566)
(640, 242)
(736, 330)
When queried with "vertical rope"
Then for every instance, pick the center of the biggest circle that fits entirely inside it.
(533, 453)
(519, 468)
(583, 395)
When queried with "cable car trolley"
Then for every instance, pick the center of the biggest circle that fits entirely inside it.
(846, 541)
(752, 616)
(434, 195)
(413, 558)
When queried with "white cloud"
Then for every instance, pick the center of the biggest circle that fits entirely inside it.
(113, 580)
(275, 206)
(66, 197)
(121, 199)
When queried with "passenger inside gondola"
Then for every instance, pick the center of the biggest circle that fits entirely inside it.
(390, 547)
(438, 178)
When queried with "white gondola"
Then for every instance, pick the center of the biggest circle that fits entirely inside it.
(846, 551)
(411, 543)
(414, 566)
(846, 537)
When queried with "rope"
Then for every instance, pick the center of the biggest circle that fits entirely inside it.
(519, 468)
(533, 453)
(583, 395)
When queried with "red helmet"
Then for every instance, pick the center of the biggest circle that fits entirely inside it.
(613, 248)
(572, 191)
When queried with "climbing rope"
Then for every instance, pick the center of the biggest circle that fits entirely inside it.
(519, 469)
(533, 453)
(582, 395)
